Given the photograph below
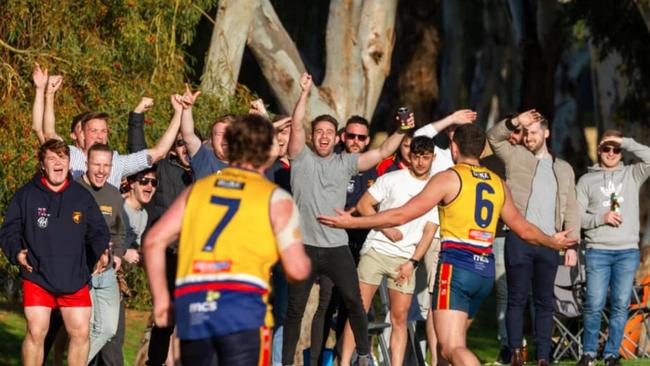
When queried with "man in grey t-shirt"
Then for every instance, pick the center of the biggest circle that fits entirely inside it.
(319, 182)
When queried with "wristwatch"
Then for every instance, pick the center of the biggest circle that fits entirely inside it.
(415, 262)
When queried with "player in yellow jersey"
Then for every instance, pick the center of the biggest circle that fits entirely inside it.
(233, 227)
(470, 200)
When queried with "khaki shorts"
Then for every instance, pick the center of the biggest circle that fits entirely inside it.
(373, 266)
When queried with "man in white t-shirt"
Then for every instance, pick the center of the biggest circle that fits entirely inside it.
(395, 252)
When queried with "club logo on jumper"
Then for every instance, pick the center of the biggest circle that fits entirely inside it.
(76, 217)
(480, 235)
(230, 184)
(43, 217)
(106, 210)
(481, 175)
(211, 266)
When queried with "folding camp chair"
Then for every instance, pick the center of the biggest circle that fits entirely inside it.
(569, 291)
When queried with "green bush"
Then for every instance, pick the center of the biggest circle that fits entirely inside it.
(111, 53)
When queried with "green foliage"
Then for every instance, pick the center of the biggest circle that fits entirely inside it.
(110, 53)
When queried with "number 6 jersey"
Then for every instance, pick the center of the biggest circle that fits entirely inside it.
(227, 247)
(468, 223)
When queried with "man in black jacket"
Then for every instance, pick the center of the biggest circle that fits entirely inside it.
(53, 228)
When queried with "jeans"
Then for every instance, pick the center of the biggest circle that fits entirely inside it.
(105, 295)
(501, 286)
(528, 265)
(614, 270)
(111, 354)
(276, 347)
(337, 265)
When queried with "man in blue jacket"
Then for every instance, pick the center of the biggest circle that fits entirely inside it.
(53, 230)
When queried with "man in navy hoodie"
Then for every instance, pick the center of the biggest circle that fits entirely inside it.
(52, 230)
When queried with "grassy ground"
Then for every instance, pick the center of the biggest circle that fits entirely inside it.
(12, 330)
(482, 335)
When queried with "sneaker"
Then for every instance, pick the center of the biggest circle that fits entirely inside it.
(504, 356)
(586, 360)
(612, 361)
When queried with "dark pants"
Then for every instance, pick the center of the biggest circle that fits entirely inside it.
(336, 264)
(238, 349)
(159, 341)
(527, 264)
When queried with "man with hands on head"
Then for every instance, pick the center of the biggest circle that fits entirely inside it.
(319, 179)
(466, 268)
(608, 196)
(543, 189)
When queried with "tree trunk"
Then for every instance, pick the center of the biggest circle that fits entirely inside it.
(227, 46)
(644, 9)
(452, 57)
(280, 63)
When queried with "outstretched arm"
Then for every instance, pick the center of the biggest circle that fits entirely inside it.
(40, 82)
(444, 185)
(460, 117)
(371, 158)
(297, 137)
(192, 141)
(164, 232)
(159, 151)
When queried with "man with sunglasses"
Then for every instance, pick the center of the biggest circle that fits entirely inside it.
(608, 197)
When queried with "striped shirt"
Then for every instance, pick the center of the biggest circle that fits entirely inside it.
(123, 165)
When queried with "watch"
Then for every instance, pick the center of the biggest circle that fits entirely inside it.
(415, 262)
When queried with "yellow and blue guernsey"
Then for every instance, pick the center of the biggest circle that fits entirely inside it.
(468, 223)
(227, 247)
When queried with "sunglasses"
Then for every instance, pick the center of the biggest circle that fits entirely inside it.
(352, 136)
(180, 143)
(144, 181)
(608, 149)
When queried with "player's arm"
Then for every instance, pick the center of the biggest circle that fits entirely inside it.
(286, 227)
(444, 185)
(529, 232)
(164, 232)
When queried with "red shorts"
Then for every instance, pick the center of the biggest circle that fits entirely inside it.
(35, 295)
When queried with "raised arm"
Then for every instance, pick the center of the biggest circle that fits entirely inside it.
(53, 84)
(159, 151)
(286, 227)
(498, 135)
(40, 83)
(641, 170)
(529, 232)
(135, 132)
(460, 117)
(192, 141)
(297, 137)
(371, 158)
(162, 234)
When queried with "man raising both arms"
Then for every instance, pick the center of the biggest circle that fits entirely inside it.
(466, 268)
(234, 225)
(319, 180)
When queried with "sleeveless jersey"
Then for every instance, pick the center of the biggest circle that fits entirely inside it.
(227, 247)
(469, 222)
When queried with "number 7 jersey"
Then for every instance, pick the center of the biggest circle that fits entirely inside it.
(468, 223)
(227, 247)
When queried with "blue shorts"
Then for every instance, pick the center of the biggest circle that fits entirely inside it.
(459, 289)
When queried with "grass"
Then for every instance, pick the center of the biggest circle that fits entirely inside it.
(12, 331)
(481, 337)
